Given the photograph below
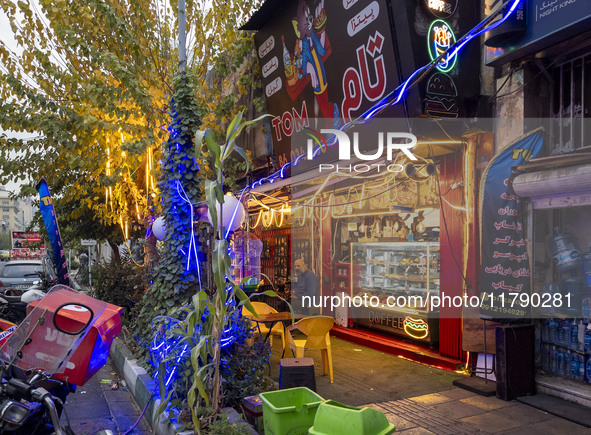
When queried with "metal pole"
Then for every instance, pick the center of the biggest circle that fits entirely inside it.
(89, 269)
(182, 38)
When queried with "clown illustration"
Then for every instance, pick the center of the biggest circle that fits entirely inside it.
(307, 62)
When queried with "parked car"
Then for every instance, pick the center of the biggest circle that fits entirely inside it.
(21, 274)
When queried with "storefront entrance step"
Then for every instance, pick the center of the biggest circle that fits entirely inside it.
(396, 347)
(562, 408)
(477, 385)
(563, 388)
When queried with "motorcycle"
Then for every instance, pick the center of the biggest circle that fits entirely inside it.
(13, 306)
(47, 353)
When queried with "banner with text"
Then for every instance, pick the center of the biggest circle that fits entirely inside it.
(53, 232)
(504, 260)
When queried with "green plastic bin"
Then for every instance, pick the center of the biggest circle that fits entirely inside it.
(290, 411)
(334, 418)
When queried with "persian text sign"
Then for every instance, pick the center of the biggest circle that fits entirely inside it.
(334, 62)
(504, 260)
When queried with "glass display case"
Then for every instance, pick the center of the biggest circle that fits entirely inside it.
(392, 285)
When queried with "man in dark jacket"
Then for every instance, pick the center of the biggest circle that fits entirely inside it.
(307, 285)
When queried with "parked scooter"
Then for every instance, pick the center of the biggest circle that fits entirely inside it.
(42, 356)
(13, 307)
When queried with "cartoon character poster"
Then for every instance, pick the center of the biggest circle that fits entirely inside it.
(324, 63)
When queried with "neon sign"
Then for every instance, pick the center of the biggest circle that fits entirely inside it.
(440, 38)
(416, 328)
(441, 8)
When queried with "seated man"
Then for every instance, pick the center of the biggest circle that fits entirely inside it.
(307, 285)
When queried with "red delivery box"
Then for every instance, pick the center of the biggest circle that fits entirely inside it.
(93, 351)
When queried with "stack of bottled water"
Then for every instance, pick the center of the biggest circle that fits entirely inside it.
(566, 348)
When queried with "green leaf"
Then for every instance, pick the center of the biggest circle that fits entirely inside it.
(199, 135)
(213, 147)
(244, 156)
(233, 127)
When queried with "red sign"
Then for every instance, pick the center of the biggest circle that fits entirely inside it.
(27, 246)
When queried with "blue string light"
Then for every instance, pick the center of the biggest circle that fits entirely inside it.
(192, 242)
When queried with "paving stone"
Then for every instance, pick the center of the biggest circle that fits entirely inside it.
(493, 421)
(526, 414)
(554, 426)
(431, 399)
(488, 403)
(457, 393)
(416, 431)
(86, 426)
(457, 409)
(399, 422)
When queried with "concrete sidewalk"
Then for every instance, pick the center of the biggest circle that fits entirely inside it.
(420, 399)
(459, 411)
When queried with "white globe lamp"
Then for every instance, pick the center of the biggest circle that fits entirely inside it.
(159, 228)
(233, 213)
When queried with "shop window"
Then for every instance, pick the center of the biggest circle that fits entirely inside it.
(571, 105)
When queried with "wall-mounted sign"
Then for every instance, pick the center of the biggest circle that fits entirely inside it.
(548, 22)
(439, 38)
(323, 65)
(441, 8)
(27, 246)
(416, 328)
(441, 97)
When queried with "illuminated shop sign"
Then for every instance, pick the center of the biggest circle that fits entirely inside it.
(416, 328)
(439, 38)
(441, 8)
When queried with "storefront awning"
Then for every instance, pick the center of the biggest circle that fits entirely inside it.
(555, 188)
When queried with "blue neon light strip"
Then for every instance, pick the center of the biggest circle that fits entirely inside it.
(192, 242)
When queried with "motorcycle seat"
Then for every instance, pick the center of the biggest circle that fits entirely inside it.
(11, 299)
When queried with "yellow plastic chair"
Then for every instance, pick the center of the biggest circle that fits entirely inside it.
(316, 330)
(262, 308)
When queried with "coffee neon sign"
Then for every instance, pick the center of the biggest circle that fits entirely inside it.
(440, 38)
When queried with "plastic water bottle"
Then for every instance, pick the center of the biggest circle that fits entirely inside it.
(546, 357)
(573, 365)
(552, 333)
(586, 306)
(559, 361)
(560, 332)
(574, 335)
(552, 367)
(545, 330)
(580, 374)
(588, 369)
(586, 258)
(565, 254)
(588, 340)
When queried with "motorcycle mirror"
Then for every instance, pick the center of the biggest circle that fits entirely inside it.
(72, 319)
(14, 412)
